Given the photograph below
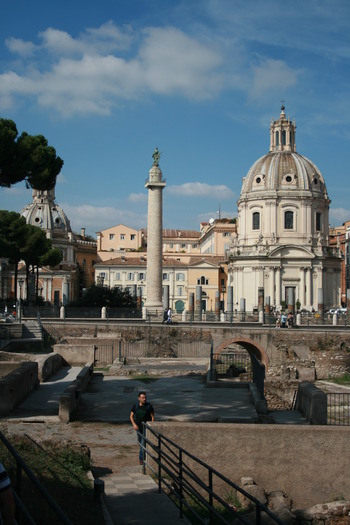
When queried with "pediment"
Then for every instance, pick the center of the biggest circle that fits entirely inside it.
(292, 251)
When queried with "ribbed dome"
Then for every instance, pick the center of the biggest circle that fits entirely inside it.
(284, 170)
(46, 214)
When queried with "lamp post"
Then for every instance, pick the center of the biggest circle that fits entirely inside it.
(19, 316)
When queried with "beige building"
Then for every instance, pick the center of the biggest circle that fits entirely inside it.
(129, 272)
(216, 236)
(117, 239)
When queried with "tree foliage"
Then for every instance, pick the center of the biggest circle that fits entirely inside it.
(22, 241)
(98, 295)
(28, 158)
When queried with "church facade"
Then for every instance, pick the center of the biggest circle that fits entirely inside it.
(281, 255)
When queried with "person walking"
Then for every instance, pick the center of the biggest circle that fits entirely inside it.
(141, 412)
(165, 316)
(169, 320)
(7, 504)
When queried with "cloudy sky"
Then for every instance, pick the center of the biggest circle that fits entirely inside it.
(106, 82)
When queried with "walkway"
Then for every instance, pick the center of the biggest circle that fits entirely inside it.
(109, 399)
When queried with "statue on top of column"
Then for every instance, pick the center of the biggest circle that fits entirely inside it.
(156, 157)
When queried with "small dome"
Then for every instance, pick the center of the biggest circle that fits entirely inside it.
(46, 214)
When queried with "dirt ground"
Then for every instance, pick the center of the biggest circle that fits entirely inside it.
(113, 447)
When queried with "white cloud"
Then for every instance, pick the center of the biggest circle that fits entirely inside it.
(90, 74)
(338, 215)
(21, 47)
(202, 189)
(174, 62)
(272, 76)
(96, 218)
(137, 197)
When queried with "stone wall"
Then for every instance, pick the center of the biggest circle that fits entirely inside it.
(21, 379)
(308, 463)
(297, 354)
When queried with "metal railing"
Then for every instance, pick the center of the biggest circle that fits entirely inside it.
(233, 364)
(191, 484)
(21, 467)
(338, 408)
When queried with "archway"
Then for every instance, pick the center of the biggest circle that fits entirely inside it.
(252, 347)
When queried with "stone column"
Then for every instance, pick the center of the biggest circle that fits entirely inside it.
(278, 287)
(217, 304)
(302, 287)
(198, 306)
(155, 185)
(166, 297)
(309, 287)
(320, 305)
(229, 307)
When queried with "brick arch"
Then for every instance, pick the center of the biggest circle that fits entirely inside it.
(252, 347)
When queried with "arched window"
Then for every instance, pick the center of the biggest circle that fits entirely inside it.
(256, 220)
(277, 138)
(283, 137)
(318, 221)
(288, 220)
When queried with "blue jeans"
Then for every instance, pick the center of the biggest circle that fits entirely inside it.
(141, 442)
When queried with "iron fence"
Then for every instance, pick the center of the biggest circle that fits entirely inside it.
(338, 408)
(21, 467)
(199, 490)
(233, 364)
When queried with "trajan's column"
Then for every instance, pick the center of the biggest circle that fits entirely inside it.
(155, 185)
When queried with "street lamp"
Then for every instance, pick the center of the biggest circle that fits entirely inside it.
(20, 283)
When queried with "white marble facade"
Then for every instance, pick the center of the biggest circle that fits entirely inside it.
(282, 248)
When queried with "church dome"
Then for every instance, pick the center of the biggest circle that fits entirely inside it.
(46, 214)
(283, 170)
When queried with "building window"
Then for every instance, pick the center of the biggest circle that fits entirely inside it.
(256, 220)
(117, 276)
(183, 246)
(318, 222)
(283, 137)
(132, 237)
(195, 246)
(130, 276)
(122, 236)
(277, 138)
(165, 277)
(142, 276)
(111, 236)
(180, 276)
(288, 220)
(203, 281)
(179, 290)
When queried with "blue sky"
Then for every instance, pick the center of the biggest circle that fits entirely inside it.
(106, 82)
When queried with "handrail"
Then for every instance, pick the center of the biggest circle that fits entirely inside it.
(172, 464)
(21, 465)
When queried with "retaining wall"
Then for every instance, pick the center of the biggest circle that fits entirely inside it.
(70, 398)
(20, 381)
(309, 463)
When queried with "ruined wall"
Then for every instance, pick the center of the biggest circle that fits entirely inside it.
(297, 354)
(308, 463)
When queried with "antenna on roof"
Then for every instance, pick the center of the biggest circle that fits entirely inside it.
(219, 212)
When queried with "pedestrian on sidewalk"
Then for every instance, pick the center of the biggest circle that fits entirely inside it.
(141, 412)
(165, 316)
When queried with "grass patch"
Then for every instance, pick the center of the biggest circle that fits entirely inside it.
(343, 380)
(62, 468)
